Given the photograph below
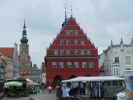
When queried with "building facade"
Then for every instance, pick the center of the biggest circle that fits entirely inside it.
(2, 70)
(43, 73)
(9, 62)
(117, 59)
(24, 57)
(71, 54)
(16, 64)
(35, 74)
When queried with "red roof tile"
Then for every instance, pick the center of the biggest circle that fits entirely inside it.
(7, 52)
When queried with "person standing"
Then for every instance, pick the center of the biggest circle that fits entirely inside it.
(59, 92)
(65, 91)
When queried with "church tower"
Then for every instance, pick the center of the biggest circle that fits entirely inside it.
(24, 58)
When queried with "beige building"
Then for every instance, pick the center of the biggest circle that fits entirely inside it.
(24, 57)
(8, 68)
(9, 62)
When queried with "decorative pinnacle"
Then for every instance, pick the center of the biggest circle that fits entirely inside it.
(24, 24)
(71, 11)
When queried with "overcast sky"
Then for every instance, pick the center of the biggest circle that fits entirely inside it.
(101, 20)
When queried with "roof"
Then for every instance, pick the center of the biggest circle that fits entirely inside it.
(93, 78)
(71, 24)
(7, 52)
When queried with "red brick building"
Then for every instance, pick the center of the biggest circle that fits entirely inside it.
(71, 54)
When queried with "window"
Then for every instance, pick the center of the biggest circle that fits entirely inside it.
(75, 51)
(56, 52)
(88, 52)
(91, 65)
(128, 60)
(67, 42)
(72, 32)
(61, 42)
(116, 71)
(72, 42)
(72, 52)
(79, 42)
(1, 70)
(82, 42)
(84, 64)
(76, 32)
(70, 65)
(76, 64)
(67, 32)
(76, 42)
(61, 64)
(54, 65)
(115, 83)
(85, 52)
(67, 52)
(82, 52)
(61, 52)
(116, 60)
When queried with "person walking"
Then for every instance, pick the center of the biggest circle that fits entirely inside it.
(49, 89)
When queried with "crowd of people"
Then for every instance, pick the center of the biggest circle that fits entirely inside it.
(79, 89)
(68, 91)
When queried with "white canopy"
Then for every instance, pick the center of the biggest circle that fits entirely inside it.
(31, 82)
(93, 78)
(13, 83)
